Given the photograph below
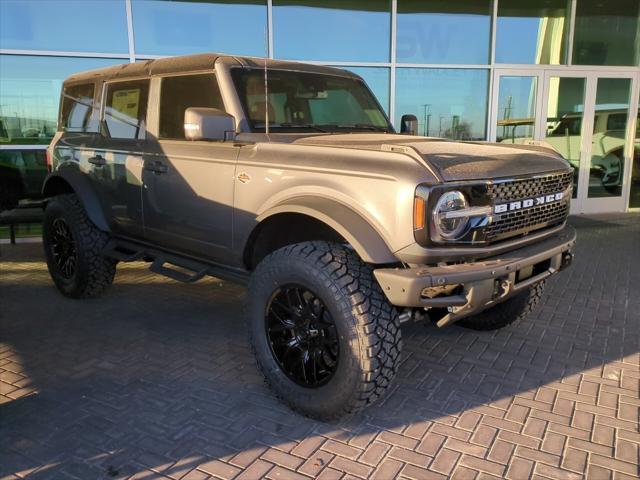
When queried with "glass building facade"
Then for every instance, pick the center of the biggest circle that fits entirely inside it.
(566, 72)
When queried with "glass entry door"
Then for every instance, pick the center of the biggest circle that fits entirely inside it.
(587, 116)
(588, 120)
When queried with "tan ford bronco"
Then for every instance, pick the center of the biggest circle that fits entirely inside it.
(342, 228)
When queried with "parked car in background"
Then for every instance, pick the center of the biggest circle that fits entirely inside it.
(22, 174)
(607, 151)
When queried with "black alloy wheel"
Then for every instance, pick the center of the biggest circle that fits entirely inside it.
(302, 335)
(63, 248)
(73, 247)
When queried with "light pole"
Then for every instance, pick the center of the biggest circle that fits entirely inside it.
(427, 118)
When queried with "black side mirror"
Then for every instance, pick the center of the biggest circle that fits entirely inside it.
(409, 124)
(208, 124)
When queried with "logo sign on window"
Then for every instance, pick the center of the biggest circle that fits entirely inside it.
(127, 102)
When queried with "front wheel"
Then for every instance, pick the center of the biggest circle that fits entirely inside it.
(507, 312)
(324, 335)
(73, 247)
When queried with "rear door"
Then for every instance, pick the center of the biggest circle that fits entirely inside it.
(188, 185)
(118, 154)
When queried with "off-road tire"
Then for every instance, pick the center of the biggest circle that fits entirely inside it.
(93, 273)
(507, 312)
(367, 324)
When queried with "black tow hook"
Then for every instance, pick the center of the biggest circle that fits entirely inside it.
(567, 260)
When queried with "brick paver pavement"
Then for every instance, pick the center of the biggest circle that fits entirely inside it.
(155, 379)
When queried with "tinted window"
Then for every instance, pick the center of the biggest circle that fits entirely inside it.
(126, 109)
(179, 93)
(448, 102)
(377, 79)
(531, 31)
(185, 27)
(30, 89)
(332, 30)
(71, 25)
(78, 112)
(617, 121)
(607, 33)
(444, 31)
(300, 100)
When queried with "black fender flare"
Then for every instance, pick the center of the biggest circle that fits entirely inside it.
(81, 186)
(361, 235)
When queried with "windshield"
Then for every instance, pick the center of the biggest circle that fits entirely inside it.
(301, 101)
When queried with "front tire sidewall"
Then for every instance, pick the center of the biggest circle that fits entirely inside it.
(326, 399)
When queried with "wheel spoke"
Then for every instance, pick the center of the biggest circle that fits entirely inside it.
(302, 336)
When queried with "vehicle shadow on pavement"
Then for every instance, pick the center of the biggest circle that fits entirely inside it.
(158, 377)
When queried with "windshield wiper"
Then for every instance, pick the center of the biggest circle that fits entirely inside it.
(362, 126)
(298, 125)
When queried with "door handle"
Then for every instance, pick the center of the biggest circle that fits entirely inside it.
(97, 160)
(156, 167)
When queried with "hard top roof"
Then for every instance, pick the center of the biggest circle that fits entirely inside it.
(192, 63)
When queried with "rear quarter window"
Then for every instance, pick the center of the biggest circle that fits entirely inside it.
(79, 113)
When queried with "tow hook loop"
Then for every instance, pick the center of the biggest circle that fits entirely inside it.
(567, 260)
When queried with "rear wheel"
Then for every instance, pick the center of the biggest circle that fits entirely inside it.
(324, 336)
(507, 312)
(73, 247)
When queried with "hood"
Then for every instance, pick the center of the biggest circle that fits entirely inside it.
(453, 161)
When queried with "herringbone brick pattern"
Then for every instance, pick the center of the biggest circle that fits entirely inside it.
(155, 380)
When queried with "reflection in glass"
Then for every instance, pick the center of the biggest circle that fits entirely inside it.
(440, 31)
(332, 31)
(634, 197)
(516, 109)
(125, 109)
(449, 103)
(64, 25)
(564, 120)
(30, 93)
(378, 81)
(608, 142)
(531, 31)
(22, 174)
(183, 27)
(607, 32)
(303, 101)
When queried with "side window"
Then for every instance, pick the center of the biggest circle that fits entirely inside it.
(181, 92)
(617, 121)
(78, 111)
(126, 109)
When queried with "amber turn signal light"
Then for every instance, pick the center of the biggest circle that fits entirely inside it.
(418, 213)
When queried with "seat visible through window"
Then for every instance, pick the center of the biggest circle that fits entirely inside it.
(182, 92)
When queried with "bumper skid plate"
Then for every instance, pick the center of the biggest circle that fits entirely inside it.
(481, 284)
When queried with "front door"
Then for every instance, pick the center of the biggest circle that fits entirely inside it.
(587, 116)
(188, 185)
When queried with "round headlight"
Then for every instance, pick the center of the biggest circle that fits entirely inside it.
(450, 227)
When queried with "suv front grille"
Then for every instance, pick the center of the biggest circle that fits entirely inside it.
(522, 221)
(529, 187)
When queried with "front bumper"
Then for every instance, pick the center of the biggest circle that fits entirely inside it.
(480, 284)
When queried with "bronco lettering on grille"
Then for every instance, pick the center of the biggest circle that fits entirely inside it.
(529, 202)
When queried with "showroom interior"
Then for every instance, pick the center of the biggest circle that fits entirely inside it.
(564, 72)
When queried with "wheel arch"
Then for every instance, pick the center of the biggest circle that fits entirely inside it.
(72, 181)
(313, 218)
